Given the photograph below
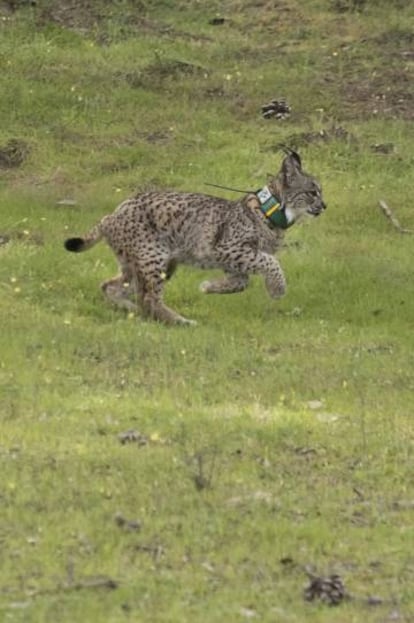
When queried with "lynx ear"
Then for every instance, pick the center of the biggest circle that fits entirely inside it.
(292, 154)
(291, 166)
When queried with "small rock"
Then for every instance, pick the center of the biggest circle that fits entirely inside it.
(67, 202)
(327, 418)
(403, 505)
(383, 148)
(20, 605)
(201, 482)
(374, 600)
(248, 613)
(132, 525)
(304, 451)
(315, 404)
(216, 21)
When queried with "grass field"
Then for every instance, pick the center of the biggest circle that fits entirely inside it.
(206, 474)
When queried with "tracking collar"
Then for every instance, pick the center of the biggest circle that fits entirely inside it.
(272, 208)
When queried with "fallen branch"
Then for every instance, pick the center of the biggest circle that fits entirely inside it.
(93, 582)
(86, 583)
(98, 582)
(394, 221)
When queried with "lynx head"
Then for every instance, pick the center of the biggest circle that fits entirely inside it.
(298, 192)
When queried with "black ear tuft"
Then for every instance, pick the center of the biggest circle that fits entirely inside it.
(74, 244)
(292, 154)
(295, 156)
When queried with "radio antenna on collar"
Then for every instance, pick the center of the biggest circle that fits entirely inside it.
(235, 190)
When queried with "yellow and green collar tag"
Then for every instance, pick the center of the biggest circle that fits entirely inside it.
(271, 207)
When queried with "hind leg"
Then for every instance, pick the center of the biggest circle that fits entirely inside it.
(152, 276)
(171, 268)
(118, 290)
(233, 282)
(154, 306)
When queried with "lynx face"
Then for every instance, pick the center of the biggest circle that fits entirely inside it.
(299, 192)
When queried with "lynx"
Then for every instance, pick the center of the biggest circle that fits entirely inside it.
(152, 232)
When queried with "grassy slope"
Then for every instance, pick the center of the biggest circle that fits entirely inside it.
(239, 472)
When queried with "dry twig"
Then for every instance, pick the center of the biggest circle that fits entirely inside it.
(394, 221)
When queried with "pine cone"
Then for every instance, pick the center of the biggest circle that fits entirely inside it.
(13, 153)
(133, 436)
(279, 109)
(330, 590)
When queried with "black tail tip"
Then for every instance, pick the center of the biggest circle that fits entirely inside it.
(74, 244)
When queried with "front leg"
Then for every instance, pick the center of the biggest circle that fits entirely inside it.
(269, 267)
(245, 260)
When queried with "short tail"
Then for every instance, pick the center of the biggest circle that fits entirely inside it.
(76, 245)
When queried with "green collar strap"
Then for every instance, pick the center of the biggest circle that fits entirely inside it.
(273, 210)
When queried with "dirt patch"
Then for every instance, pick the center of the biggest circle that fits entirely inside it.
(102, 21)
(155, 74)
(342, 6)
(28, 237)
(81, 17)
(325, 135)
(389, 94)
(273, 16)
(397, 37)
(387, 90)
(71, 15)
(10, 6)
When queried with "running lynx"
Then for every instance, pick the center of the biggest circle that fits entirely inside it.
(155, 231)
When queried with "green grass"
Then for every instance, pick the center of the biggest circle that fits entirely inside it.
(278, 435)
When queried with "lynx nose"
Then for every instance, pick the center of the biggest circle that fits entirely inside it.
(316, 210)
